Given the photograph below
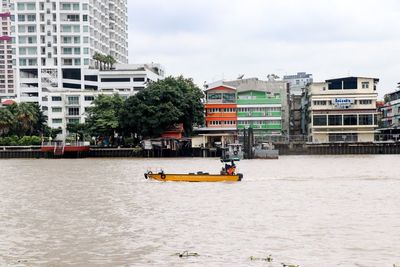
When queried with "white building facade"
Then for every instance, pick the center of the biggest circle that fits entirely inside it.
(70, 106)
(7, 78)
(298, 82)
(54, 42)
(342, 110)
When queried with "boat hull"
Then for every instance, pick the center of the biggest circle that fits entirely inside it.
(194, 177)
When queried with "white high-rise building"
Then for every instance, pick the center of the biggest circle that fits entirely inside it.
(7, 86)
(55, 40)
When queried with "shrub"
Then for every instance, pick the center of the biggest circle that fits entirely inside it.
(24, 141)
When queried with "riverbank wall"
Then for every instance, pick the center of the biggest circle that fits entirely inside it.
(284, 149)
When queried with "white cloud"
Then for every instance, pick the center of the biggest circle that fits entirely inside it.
(210, 40)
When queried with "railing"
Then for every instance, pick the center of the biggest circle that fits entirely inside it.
(332, 138)
(73, 143)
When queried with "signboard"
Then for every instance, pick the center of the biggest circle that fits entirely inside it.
(147, 145)
(343, 102)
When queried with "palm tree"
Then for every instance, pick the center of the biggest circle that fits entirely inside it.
(111, 61)
(103, 59)
(7, 119)
(97, 58)
(27, 118)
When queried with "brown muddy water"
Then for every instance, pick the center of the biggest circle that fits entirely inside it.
(303, 210)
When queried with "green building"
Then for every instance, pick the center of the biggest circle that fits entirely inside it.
(262, 105)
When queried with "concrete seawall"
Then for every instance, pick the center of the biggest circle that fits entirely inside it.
(284, 149)
(339, 149)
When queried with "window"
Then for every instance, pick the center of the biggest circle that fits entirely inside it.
(56, 98)
(56, 121)
(319, 103)
(73, 100)
(92, 78)
(351, 137)
(366, 119)
(67, 51)
(89, 98)
(319, 120)
(365, 102)
(229, 98)
(139, 79)
(116, 80)
(66, 28)
(30, 6)
(56, 109)
(365, 85)
(31, 17)
(73, 121)
(73, 112)
(350, 119)
(214, 96)
(335, 120)
(21, 6)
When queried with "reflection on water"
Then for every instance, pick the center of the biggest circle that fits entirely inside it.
(311, 211)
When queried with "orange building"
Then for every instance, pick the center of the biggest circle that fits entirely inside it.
(220, 116)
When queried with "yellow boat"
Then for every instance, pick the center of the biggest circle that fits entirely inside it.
(192, 177)
(228, 174)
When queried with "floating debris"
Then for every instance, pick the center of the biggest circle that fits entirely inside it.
(267, 259)
(186, 254)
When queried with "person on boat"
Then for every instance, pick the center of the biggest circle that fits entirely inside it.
(232, 168)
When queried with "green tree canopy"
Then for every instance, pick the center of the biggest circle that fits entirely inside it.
(22, 119)
(162, 104)
(103, 117)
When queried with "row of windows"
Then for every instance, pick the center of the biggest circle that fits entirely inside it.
(63, 6)
(225, 97)
(59, 121)
(64, 62)
(347, 120)
(217, 110)
(253, 97)
(64, 40)
(72, 99)
(325, 102)
(268, 122)
(222, 123)
(272, 109)
(231, 110)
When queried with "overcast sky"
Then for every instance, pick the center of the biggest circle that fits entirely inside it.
(210, 40)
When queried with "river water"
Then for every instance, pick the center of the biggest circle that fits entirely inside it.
(303, 210)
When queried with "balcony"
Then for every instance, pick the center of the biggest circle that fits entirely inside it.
(259, 101)
(260, 114)
(260, 126)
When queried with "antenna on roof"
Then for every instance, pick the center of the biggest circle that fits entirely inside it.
(240, 76)
(272, 77)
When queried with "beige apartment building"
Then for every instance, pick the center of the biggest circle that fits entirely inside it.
(342, 110)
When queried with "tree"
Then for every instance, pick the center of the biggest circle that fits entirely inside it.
(103, 117)
(78, 129)
(7, 120)
(39, 127)
(97, 57)
(110, 60)
(162, 104)
(26, 116)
